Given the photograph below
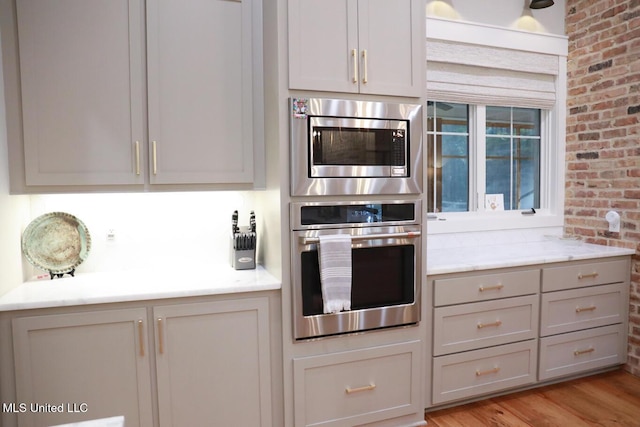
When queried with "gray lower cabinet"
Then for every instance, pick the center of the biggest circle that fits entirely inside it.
(507, 328)
(212, 365)
(584, 313)
(127, 92)
(485, 329)
(357, 387)
(93, 364)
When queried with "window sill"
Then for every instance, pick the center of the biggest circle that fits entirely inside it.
(490, 221)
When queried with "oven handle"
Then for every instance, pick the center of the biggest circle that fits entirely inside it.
(406, 234)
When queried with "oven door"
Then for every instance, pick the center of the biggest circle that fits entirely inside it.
(385, 289)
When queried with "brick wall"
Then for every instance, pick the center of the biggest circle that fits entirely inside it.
(603, 133)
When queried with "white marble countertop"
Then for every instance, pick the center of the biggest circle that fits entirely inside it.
(135, 285)
(502, 255)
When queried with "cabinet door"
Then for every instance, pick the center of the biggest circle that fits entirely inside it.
(365, 46)
(81, 81)
(82, 366)
(201, 83)
(323, 45)
(391, 43)
(213, 363)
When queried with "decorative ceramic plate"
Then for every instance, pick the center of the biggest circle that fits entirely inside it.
(57, 242)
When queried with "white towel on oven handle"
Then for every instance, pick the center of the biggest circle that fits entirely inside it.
(334, 257)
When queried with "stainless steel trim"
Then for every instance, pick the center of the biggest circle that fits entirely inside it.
(408, 235)
(355, 180)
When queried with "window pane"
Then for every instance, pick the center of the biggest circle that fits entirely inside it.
(526, 122)
(513, 160)
(499, 168)
(529, 174)
(498, 121)
(448, 157)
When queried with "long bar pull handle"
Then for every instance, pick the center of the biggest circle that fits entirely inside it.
(155, 158)
(141, 337)
(160, 336)
(365, 78)
(354, 56)
(487, 325)
(588, 275)
(491, 288)
(579, 352)
(137, 157)
(350, 390)
(581, 309)
(487, 372)
(408, 234)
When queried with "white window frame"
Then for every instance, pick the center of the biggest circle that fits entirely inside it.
(474, 38)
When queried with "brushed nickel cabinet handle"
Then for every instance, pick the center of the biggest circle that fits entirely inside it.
(487, 372)
(588, 275)
(581, 309)
(141, 337)
(155, 158)
(137, 157)
(160, 336)
(491, 288)
(579, 352)
(365, 77)
(487, 325)
(354, 56)
(349, 390)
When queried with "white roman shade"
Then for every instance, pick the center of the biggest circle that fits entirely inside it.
(475, 74)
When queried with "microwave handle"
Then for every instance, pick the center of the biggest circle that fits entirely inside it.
(406, 234)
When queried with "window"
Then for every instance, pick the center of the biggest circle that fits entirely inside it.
(496, 128)
(483, 158)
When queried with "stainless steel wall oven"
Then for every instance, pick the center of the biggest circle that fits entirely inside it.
(386, 253)
(347, 147)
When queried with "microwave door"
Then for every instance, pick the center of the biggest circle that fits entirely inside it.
(357, 148)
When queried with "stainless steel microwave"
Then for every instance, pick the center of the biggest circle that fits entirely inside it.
(347, 147)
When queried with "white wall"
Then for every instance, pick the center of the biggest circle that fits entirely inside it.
(502, 13)
(153, 230)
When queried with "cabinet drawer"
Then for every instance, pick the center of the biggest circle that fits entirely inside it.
(588, 274)
(357, 387)
(568, 311)
(485, 287)
(483, 324)
(473, 373)
(582, 351)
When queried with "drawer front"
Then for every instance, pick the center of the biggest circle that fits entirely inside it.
(484, 287)
(483, 324)
(357, 387)
(582, 351)
(465, 375)
(568, 311)
(588, 274)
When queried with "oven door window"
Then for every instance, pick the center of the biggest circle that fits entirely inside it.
(381, 276)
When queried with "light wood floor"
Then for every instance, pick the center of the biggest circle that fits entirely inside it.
(608, 399)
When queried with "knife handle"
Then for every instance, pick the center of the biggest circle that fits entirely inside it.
(234, 222)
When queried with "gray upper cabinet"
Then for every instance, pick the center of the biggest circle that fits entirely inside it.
(115, 93)
(201, 102)
(357, 46)
(81, 79)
